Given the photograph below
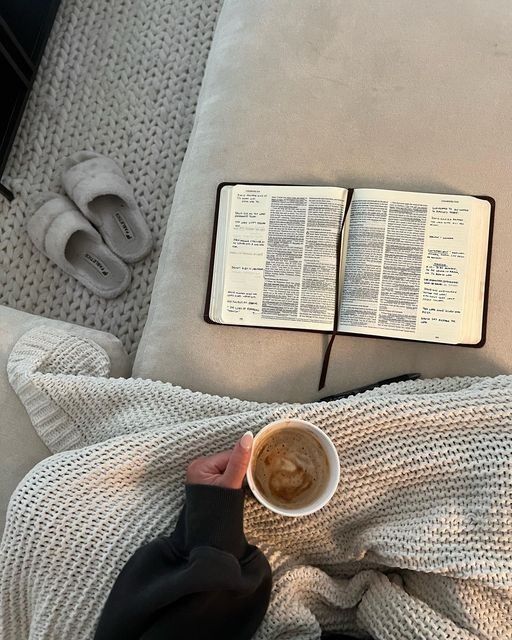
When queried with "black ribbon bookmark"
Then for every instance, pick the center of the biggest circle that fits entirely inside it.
(327, 353)
(325, 363)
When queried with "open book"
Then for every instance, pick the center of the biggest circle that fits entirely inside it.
(359, 261)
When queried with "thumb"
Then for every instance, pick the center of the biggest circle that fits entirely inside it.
(238, 462)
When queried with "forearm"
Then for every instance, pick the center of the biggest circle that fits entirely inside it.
(196, 582)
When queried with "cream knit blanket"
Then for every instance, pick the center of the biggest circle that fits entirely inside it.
(415, 544)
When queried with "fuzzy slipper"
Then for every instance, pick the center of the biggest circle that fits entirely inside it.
(99, 188)
(60, 231)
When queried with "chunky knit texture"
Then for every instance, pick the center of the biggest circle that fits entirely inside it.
(122, 78)
(415, 544)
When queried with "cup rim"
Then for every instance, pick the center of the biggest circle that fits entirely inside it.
(325, 441)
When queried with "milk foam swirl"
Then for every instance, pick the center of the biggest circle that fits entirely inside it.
(290, 467)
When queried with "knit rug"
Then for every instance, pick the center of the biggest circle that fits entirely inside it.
(416, 543)
(122, 78)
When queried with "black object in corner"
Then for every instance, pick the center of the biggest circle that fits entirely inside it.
(24, 29)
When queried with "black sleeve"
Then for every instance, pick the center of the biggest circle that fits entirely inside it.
(204, 581)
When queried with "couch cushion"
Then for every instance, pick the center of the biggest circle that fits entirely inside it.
(20, 446)
(397, 95)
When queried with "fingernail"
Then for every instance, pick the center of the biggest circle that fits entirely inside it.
(246, 441)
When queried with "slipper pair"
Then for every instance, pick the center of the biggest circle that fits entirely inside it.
(94, 232)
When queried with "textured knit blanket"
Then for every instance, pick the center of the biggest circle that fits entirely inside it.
(415, 544)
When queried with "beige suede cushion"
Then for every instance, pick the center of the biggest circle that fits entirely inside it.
(20, 446)
(404, 95)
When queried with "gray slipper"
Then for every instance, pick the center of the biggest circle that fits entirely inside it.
(99, 188)
(60, 231)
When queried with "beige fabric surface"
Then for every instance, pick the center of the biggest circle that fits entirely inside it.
(20, 446)
(403, 95)
(415, 543)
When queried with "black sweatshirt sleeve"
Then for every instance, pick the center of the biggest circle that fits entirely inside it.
(203, 581)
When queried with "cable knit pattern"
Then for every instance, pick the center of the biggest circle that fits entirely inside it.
(416, 543)
(122, 78)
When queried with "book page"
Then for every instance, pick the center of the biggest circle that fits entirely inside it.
(281, 256)
(404, 264)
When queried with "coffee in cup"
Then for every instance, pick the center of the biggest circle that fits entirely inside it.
(294, 468)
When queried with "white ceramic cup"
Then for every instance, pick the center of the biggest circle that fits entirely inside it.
(330, 452)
